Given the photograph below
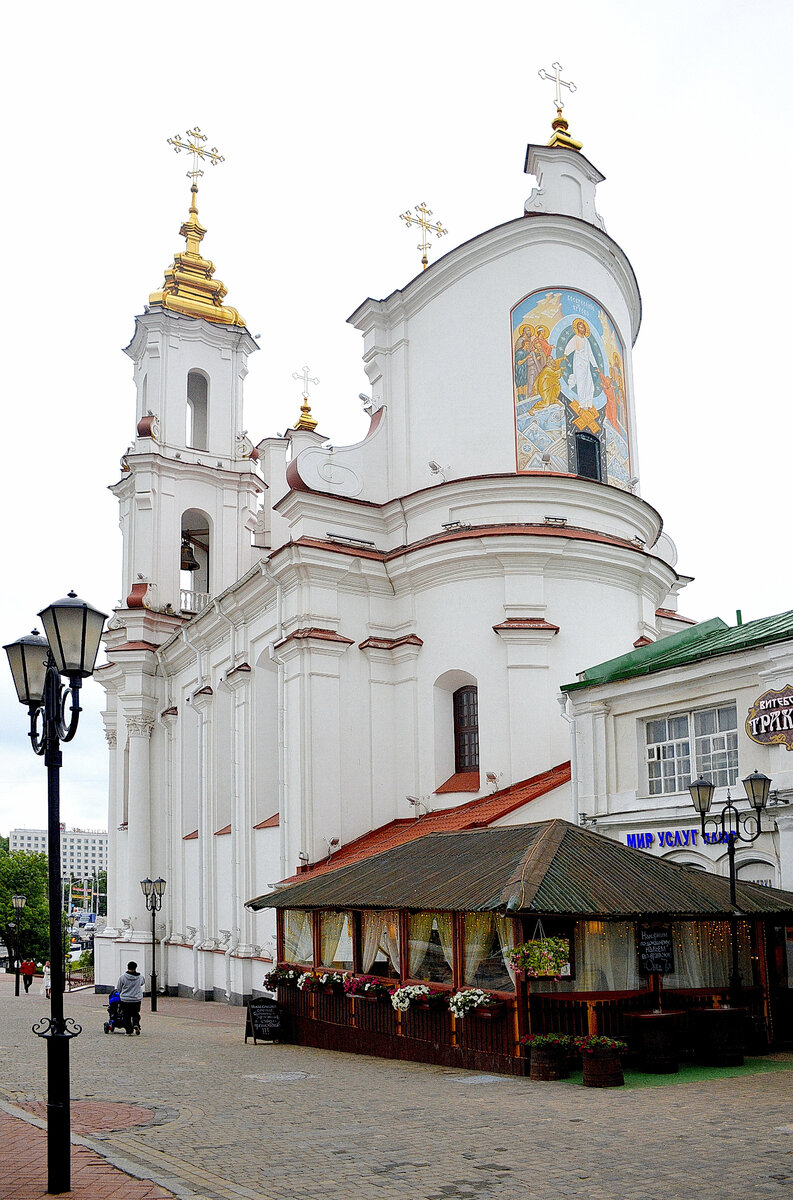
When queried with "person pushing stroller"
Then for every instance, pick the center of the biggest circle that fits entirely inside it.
(130, 995)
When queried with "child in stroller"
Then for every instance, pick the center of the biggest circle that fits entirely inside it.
(114, 1018)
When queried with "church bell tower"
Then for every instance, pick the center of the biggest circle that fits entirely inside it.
(189, 488)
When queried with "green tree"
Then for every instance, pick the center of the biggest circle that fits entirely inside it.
(102, 885)
(25, 874)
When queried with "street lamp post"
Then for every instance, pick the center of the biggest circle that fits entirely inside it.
(19, 903)
(73, 631)
(153, 890)
(732, 826)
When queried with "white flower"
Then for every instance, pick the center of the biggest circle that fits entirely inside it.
(402, 997)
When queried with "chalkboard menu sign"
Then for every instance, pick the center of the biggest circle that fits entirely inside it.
(263, 1020)
(656, 952)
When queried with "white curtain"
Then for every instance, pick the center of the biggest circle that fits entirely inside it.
(371, 934)
(380, 931)
(298, 940)
(420, 933)
(443, 922)
(703, 954)
(479, 936)
(330, 930)
(505, 929)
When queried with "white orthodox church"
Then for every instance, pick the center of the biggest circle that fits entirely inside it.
(312, 635)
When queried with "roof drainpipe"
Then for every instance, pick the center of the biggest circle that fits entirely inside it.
(234, 933)
(563, 701)
(282, 814)
(201, 935)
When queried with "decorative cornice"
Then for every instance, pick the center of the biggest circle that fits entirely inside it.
(524, 623)
(314, 633)
(383, 643)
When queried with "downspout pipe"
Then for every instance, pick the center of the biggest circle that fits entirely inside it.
(234, 939)
(564, 705)
(282, 813)
(201, 938)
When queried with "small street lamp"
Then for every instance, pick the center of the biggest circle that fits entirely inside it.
(732, 826)
(19, 903)
(153, 891)
(73, 631)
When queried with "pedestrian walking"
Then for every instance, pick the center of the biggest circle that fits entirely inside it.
(130, 994)
(27, 970)
(46, 982)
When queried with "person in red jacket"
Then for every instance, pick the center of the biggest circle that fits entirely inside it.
(27, 970)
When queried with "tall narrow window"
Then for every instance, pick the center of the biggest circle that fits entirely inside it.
(466, 729)
(197, 408)
(587, 452)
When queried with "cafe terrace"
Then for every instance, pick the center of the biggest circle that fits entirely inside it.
(445, 909)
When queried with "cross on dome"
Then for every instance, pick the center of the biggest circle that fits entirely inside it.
(305, 420)
(425, 225)
(195, 146)
(560, 125)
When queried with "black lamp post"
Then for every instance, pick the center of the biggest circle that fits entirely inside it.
(19, 903)
(153, 889)
(732, 826)
(73, 630)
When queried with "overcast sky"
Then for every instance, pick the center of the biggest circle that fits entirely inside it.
(333, 119)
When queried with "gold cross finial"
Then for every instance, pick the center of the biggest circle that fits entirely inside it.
(305, 420)
(195, 146)
(560, 125)
(425, 225)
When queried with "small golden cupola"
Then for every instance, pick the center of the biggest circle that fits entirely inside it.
(560, 125)
(189, 287)
(305, 420)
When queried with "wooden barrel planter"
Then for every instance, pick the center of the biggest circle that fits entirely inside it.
(602, 1068)
(548, 1064)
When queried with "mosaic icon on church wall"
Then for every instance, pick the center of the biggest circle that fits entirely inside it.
(569, 384)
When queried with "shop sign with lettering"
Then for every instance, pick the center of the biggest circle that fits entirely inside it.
(770, 719)
(674, 839)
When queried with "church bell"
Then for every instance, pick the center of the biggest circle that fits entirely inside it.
(189, 561)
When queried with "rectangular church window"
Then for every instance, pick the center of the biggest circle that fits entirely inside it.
(587, 451)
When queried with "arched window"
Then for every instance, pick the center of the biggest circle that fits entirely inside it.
(465, 711)
(197, 410)
(195, 560)
(587, 453)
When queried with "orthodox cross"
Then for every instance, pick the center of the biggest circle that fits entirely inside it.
(425, 225)
(560, 83)
(304, 375)
(305, 420)
(195, 146)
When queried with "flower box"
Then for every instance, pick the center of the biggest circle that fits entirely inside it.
(488, 1012)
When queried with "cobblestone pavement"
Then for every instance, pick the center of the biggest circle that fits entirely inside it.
(265, 1122)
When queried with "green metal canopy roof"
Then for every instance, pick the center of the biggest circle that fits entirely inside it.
(552, 868)
(706, 640)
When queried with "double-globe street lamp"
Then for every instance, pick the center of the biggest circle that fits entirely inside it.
(19, 903)
(732, 826)
(153, 889)
(73, 631)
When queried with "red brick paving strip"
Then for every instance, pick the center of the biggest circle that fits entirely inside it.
(24, 1166)
(89, 1116)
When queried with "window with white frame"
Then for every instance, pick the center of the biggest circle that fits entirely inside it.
(684, 745)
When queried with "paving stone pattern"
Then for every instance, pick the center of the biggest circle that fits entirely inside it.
(266, 1122)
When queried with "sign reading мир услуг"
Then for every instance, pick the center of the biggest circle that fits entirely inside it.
(770, 719)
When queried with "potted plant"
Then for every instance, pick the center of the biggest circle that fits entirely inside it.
(308, 981)
(331, 981)
(550, 1055)
(474, 1000)
(280, 977)
(600, 1057)
(365, 987)
(419, 994)
(542, 958)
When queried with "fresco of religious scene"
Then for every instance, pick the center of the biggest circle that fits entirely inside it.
(569, 383)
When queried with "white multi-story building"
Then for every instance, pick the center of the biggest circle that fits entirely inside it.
(364, 624)
(83, 851)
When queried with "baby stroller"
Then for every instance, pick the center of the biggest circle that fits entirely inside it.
(114, 1019)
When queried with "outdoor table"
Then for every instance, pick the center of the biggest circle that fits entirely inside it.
(719, 1035)
(658, 1038)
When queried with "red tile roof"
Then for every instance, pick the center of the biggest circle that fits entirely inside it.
(476, 814)
(270, 823)
(463, 781)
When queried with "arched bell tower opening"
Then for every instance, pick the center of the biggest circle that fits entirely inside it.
(195, 561)
(197, 412)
